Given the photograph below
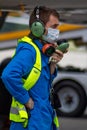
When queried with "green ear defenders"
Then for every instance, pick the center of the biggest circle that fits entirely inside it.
(37, 27)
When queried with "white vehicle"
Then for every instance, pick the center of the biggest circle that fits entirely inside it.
(71, 86)
(71, 81)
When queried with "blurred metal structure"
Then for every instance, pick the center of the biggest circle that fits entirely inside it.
(62, 4)
(70, 11)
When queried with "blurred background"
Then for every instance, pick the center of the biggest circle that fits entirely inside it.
(71, 81)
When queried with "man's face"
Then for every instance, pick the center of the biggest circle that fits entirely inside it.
(51, 32)
(52, 23)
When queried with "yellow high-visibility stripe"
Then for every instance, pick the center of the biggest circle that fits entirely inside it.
(56, 122)
(36, 70)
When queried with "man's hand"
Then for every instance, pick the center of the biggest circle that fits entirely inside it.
(55, 58)
(30, 104)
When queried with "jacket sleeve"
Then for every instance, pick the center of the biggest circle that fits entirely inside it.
(54, 74)
(19, 67)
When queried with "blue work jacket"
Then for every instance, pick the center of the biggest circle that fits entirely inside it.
(41, 116)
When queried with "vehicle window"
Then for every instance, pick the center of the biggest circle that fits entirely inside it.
(14, 22)
(8, 27)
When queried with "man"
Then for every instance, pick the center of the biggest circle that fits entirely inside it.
(37, 99)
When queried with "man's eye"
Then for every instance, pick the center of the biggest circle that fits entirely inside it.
(54, 26)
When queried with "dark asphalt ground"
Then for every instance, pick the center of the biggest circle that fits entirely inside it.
(74, 123)
(70, 123)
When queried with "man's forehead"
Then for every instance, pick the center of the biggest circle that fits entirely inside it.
(53, 19)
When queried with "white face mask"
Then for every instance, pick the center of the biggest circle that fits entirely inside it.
(52, 35)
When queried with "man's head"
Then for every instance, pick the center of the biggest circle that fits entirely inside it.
(43, 18)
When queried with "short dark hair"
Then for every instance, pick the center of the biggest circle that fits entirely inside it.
(44, 14)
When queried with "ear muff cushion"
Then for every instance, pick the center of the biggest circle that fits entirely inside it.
(48, 49)
(37, 29)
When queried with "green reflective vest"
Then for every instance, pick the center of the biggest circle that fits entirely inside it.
(18, 112)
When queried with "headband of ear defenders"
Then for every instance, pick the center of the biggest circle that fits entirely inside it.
(37, 27)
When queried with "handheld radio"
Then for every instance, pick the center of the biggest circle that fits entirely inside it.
(63, 46)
